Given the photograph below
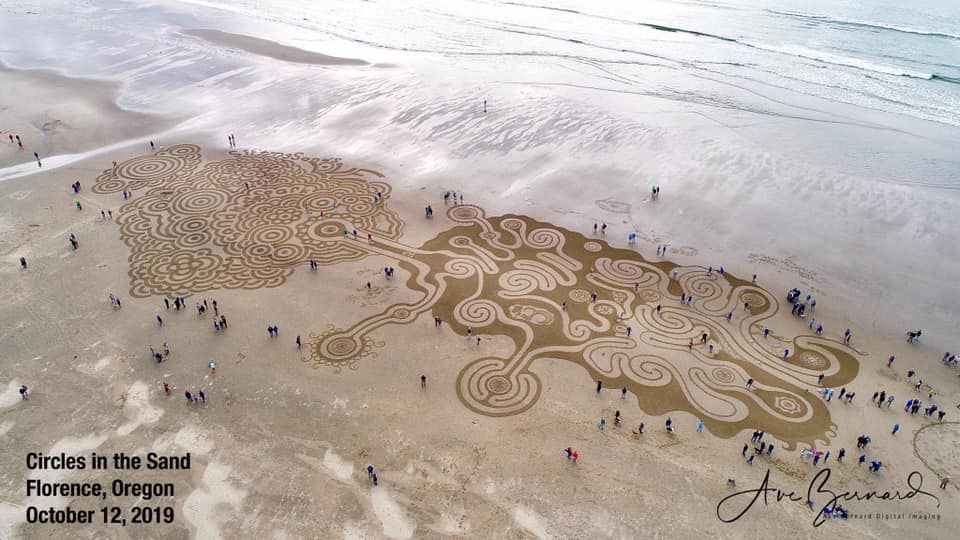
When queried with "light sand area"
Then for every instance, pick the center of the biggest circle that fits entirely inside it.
(270, 49)
(281, 449)
(55, 115)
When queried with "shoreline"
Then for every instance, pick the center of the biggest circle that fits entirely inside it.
(269, 49)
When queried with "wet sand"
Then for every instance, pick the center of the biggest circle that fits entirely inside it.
(270, 49)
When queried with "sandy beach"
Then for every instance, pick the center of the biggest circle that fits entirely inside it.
(547, 277)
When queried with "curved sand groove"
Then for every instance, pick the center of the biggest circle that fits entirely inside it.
(250, 220)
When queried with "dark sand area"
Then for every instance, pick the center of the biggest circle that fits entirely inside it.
(271, 49)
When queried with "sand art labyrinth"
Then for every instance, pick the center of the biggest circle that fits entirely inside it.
(250, 220)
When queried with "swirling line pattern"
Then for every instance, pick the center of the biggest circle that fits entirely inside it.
(244, 222)
(249, 220)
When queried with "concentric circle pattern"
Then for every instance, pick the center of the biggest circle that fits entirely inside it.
(241, 223)
(252, 219)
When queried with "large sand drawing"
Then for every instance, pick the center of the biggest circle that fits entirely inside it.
(251, 219)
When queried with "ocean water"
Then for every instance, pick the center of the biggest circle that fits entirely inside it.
(871, 86)
(888, 55)
(822, 133)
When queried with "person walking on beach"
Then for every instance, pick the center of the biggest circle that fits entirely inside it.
(166, 389)
(159, 320)
(699, 426)
(23, 263)
(298, 343)
(24, 392)
(423, 381)
(151, 146)
(944, 481)
(896, 428)
(599, 386)
(602, 424)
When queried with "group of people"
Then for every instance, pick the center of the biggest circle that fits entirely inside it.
(451, 195)
(18, 141)
(758, 449)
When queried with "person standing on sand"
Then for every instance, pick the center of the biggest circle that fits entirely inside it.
(744, 451)
(24, 392)
(166, 389)
(699, 426)
(602, 424)
(423, 381)
(159, 320)
(944, 481)
(298, 343)
(599, 386)
(151, 146)
(23, 263)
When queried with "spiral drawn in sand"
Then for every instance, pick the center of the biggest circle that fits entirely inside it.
(487, 388)
(477, 312)
(532, 314)
(464, 214)
(252, 219)
(337, 349)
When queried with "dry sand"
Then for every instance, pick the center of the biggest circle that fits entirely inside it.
(281, 449)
